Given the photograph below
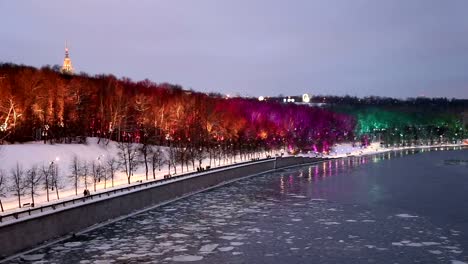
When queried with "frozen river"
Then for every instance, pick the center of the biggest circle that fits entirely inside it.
(398, 207)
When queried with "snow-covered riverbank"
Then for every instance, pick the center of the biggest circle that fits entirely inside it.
(39, 154)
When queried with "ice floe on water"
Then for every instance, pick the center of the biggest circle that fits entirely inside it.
(208, 248)
(331, 223)
(33, 257)
(145, 222)
(223, 249)
(178, 235)
(228, 237)
(406, 216)
(186, 258)
(430, 243)
(249, 220)
(73, 244)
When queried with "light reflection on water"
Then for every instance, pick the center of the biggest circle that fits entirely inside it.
(353, 210)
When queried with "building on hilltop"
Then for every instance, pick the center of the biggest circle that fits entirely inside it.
(304, 99)
(67, 67)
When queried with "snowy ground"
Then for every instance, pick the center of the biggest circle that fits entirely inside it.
(39, 154)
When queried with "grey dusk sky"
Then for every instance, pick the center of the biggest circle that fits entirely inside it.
(397, 48)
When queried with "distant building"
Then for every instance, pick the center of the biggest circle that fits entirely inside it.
(67, 67)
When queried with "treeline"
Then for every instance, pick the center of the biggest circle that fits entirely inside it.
(42, 104)
(408, 125)
(452, 105)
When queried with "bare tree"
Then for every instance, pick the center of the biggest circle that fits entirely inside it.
(75, 172)
(45, 173)
(112, 167)
(96, 173)
(18, 182)
(144, 151)
(128, 158)
(55, 179)
(200, 155)
(8, 116)
(102, 172)
(32, 181)
(84, 173)
(2, 187)
(156, 160)
(172, 159)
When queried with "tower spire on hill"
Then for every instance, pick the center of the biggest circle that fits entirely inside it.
(67, 67)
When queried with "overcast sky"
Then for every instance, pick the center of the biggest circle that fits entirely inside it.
(398, 48)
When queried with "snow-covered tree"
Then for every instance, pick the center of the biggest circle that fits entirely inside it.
(32, 181)
(17, 182)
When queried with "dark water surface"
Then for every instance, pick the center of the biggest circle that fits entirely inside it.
(398, 207)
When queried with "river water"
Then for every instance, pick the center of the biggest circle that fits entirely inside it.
(395, 207)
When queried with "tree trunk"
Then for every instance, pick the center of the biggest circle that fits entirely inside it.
(47, 189)
(1, 205)
(146, 166)
(182, 164)
(32, 193)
